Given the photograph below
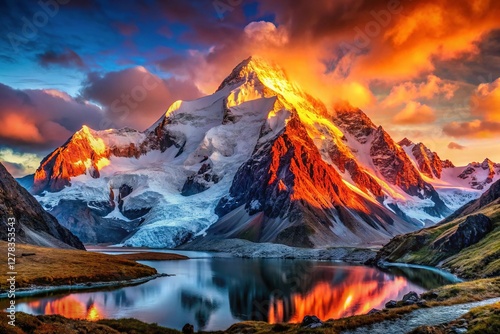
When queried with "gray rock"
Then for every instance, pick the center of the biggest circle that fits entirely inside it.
(391, 304)
(311, 321)
(411, 296)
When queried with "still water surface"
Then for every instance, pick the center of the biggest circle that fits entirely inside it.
(213, 293)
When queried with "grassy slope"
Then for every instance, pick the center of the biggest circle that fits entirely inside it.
(479, 260)
(51, 266)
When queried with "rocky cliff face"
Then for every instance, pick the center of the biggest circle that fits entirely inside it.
(471, 231)
(293, 197)
(33, 224)
(428, 162)
(387, 159)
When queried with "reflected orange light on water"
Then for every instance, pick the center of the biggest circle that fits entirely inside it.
(70, 307)
(327, 300)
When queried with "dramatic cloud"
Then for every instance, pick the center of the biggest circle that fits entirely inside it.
(135, 97)
(455, 146)
(38, 120)
(66, 58)
(415, 113)
(485, 102)
(473, 129)
(267, 33)
(426, 90)
(484, 107)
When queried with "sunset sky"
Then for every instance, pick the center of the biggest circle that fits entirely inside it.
(428, 70)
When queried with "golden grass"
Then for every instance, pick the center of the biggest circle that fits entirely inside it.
(152, 256)
(51, 267)
(484, 320)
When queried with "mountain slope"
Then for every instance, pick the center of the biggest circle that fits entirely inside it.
(287, 194)
(33, 224)
(466, 243)
(260, 157)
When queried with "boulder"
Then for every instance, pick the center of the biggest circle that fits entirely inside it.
(411, 296)
(311, 321)
(391, 304)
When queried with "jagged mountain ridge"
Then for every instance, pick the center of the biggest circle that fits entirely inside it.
(163, 186)
(33, 224)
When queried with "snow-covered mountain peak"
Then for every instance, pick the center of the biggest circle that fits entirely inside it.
(256, 69)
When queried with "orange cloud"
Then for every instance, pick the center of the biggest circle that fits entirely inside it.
(415, 113)
(330, 46)
(473, 129)
(19, 127)
(426, 31)
(485, 101)
(455, 146)
(429, 89)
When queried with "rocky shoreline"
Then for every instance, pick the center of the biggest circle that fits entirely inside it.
(247, 249)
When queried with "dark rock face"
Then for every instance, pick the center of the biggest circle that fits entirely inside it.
(33, 224)
(471, 231)
(123, 192)
(89, 224)
(201, 181)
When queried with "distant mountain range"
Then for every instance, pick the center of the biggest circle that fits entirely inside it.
(260, 159)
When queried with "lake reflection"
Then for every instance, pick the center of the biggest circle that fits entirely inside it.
(213, 293)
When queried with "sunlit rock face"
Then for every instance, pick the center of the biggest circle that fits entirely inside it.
(259, 159)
